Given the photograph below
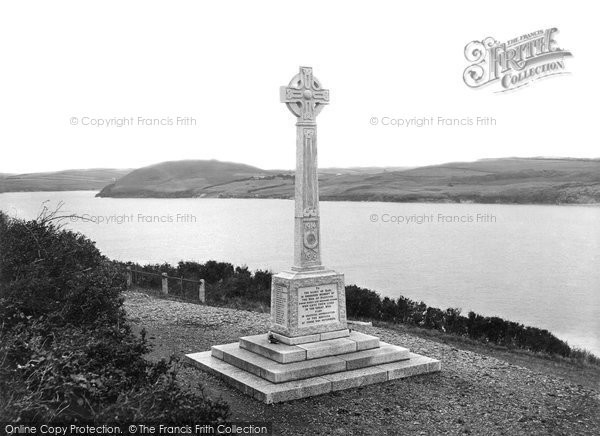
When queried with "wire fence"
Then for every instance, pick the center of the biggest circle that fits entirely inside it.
(177, 286)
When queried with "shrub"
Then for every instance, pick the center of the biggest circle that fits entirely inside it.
(241, 288)
(224, 282)
(362, 303)
(66, 351)
(365, 303)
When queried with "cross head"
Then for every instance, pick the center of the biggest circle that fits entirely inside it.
(304, 96)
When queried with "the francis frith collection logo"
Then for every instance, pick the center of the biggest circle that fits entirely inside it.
(515, 63)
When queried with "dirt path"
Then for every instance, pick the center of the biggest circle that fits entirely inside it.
(474, 393)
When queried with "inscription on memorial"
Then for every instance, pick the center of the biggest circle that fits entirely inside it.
(317, 305)
(281, 305)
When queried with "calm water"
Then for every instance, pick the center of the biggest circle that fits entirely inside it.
(539, 265)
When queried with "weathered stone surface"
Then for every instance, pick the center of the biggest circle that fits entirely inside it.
(257, 387)
(217, 352)
(331, 347)
(284, 353)
(415, 365)
(243, 359)
(268, 392)
(279, 352)
(363, 341)
(296, 340)
(294, 284)
(293, 390)
(434, 366)
(236, 377)
(357, 378)
(278, 372)
(305, 97)
(375, 356)
(335, 334)
(300, 370)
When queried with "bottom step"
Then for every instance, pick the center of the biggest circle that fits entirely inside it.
(267, 392)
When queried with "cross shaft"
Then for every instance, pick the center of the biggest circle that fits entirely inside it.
(305, 98)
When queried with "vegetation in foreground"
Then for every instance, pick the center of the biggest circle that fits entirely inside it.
(238, 287)
(67, 353)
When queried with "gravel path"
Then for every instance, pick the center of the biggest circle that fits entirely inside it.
(473, 394)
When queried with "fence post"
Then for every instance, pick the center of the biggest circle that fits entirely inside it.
(201, 292)
(181, 283)
(165, 283)
(129, 278)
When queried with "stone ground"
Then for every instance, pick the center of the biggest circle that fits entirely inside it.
(475, 393)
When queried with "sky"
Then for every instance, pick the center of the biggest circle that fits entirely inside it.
(219, 65)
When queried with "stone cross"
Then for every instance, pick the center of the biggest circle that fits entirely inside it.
(305, 98)
(309, 349)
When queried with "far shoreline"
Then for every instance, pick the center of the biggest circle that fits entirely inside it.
(330, 200)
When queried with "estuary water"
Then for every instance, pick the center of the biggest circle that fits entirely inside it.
(538, 265)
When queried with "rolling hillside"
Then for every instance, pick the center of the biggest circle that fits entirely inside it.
(509, 180)
(506, 180)
(188, 178)
(68, 180)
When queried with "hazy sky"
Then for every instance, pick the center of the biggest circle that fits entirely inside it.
(222, 63)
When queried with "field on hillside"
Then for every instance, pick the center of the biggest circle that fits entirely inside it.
(68, 180)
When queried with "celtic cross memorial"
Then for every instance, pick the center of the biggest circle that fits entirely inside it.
(308, 349)
(308, 300)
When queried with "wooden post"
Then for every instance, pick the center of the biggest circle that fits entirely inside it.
(181, 282)
(129, 277)
(201, 292)
(165, 283)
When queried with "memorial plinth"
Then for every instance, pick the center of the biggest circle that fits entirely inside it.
(305, 304)
(309, 349)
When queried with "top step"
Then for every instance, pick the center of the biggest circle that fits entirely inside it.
(283, 353)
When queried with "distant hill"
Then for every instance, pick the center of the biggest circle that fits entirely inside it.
(68, 180)
(504, 180)
(187, 178)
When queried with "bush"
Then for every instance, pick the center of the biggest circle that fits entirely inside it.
(238, 287)
(66, 351)
(365, 303)
(225, 284)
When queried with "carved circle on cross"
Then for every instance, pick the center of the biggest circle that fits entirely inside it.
(304, 96)
(310, 239)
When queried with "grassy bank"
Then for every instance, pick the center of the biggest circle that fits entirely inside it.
(240, 288)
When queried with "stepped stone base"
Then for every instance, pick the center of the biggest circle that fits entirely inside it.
(276, 372)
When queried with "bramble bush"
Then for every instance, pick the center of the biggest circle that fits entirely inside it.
(67, 352)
